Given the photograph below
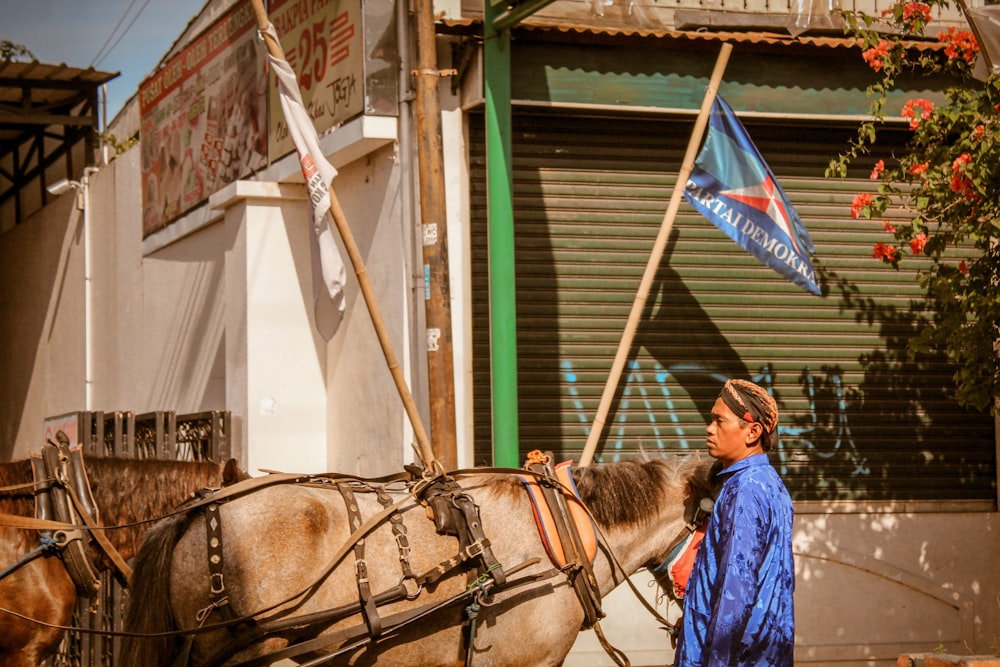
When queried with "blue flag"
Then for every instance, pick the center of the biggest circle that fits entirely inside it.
(733, 187)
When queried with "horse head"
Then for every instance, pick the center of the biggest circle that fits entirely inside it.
(642, 506)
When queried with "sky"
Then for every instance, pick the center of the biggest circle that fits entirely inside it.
(126, 36)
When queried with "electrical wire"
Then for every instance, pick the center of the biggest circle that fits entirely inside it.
(113, 31)
(105, 49)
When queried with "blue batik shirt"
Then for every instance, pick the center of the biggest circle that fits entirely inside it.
(738, 609)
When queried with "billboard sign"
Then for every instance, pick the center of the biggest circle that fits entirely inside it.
(323, 43)
(203, 118)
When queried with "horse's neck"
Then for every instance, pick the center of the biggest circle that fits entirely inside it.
(640, 511)
(639, 545)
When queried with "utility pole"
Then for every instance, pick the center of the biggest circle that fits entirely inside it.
(433, 209)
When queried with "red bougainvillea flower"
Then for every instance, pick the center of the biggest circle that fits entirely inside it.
(916, 14)
(875, 56)
(887, 227)
(978, 133)
(917, 110)
(959, 44)
(918, 242)
(877, 171)
(961, 182)
(860, 202)
(963, 267)
(918, 169)
(884, 251)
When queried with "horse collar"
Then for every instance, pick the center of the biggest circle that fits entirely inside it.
(64, 493)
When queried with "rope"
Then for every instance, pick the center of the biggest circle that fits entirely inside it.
(47, 542)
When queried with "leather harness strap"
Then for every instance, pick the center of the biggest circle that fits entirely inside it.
(217, 595)
(42, 490)
(399, 532)
(578, 567)
(64, 504)
(455, 513)
(369, 608)
(122, 571)
(394, 622)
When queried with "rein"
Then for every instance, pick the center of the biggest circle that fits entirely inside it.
(13, 488)
(269, 622)
(273, 624)
(61, 489)
(48, 543)
(422, 490)
(392, 623)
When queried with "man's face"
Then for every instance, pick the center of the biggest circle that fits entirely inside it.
(728, 440)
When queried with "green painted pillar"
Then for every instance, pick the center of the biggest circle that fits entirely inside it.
(500, 211)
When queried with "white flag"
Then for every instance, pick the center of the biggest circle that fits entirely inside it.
(985, 24)
(319, 174)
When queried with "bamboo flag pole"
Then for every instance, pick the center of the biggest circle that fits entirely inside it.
(656, 255)
(424, 447)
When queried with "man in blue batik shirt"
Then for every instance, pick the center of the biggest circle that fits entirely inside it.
(738, 609)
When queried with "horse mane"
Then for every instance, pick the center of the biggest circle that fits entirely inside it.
(621, 493)
(20, 502)
(128, 491)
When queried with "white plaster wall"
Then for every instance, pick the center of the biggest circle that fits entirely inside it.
(869, 587)
(156, 332)
(118, 342)
(182, 323)
(271, 345)
(155, 323)
(366, 420)
(174, 329)
(163, 338)
(872, 586)
(41, 316)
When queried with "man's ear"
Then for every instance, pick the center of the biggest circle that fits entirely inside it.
(754, 433)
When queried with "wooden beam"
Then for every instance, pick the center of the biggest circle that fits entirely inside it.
(44, 119)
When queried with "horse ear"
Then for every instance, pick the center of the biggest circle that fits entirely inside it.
(705, 481)
(702, 483)
(231, 473)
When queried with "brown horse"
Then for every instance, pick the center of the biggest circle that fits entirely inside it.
(287, 562)
(40, 594)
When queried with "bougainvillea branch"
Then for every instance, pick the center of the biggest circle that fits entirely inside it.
(946, 181)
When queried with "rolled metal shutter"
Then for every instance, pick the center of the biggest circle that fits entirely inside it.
(859, 419)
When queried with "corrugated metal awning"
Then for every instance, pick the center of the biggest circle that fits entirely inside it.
(474, 26)
(45, 110)
(34, 93)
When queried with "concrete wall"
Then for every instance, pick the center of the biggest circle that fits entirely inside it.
(216, 317)
(41, 324)
(869, 588)
(369, 432)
